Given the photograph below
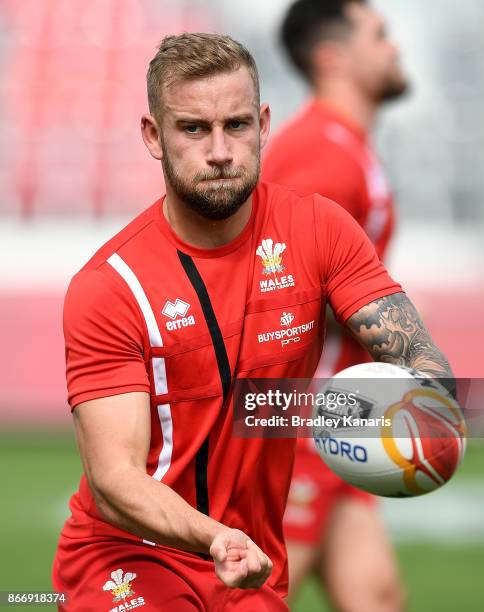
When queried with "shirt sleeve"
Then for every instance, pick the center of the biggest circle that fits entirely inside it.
(352, 273)
(104, 339)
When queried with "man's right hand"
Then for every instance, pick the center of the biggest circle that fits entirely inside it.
(239, 562)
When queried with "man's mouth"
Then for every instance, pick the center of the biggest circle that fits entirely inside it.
(220, 180)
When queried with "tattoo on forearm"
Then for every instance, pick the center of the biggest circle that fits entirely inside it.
(392, 331)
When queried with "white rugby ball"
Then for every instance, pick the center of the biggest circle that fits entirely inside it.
(396, 434)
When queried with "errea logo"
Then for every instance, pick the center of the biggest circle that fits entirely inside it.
(177, 311)
(173, 310)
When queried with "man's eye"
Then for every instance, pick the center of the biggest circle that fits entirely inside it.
(237, 125)
(193, 129)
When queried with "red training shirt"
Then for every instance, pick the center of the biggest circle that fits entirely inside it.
(150, 313)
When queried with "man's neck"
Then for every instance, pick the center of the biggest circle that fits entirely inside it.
(203, 233)
(348, 101)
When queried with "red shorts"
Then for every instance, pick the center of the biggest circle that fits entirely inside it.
(117, 576)
(314, 491)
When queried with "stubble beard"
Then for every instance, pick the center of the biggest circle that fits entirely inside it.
(212, 201)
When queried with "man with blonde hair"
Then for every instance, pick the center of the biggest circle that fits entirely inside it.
(175, 513)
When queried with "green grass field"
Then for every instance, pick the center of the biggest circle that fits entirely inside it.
(40, 471)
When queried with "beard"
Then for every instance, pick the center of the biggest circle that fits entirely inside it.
(393, 88)
(393, 91)
(211, 200)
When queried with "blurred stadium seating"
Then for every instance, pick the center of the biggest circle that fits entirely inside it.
(72, 92)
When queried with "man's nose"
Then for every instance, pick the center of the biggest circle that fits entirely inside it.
(220, 153)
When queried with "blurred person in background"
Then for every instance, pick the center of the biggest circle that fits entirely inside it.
(342, 50)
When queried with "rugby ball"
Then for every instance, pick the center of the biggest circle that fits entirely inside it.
(393, 431)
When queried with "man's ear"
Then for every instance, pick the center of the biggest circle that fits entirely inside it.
(151, 136)
(264, 123)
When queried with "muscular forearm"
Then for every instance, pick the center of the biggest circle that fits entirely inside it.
(135, 502)
(113, 434)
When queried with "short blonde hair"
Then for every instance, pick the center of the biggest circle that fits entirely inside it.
(192, 56)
